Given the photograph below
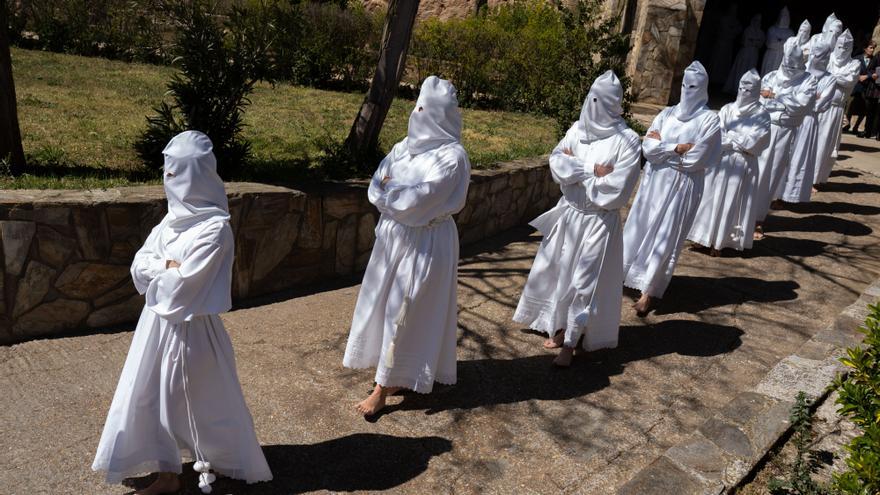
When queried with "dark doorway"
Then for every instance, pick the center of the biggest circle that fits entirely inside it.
(859, 17)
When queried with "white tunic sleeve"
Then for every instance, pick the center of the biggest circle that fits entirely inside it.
(657, 150)
(800, 101)
(707, 146)
(567, 169)
(376, 190)
(612, 191)
(442, 192)
(847, 76)
(147, 261)
(750, 137)
(176, 294)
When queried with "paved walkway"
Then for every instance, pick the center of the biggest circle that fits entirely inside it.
(513, 424)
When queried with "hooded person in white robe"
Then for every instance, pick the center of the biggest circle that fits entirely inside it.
(799, 182)
(830, 31)
(776, 36)
(803, 40)
(405, 319)
(728, 30)
(179, 389)
(682, 141)
(845, 71)
(747, 58)
(726, 216)
(573, 289)
(788, 94)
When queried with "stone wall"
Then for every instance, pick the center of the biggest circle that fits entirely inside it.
(66, 254)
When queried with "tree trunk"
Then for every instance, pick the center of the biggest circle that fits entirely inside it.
(363, 139)
(10, 134)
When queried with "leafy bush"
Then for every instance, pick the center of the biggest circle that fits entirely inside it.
(527, 55)
(119, 29)
(219, 65)
(799, 481)
(859, 400)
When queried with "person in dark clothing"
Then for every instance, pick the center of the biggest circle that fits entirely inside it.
(857, 106)
(872, 100)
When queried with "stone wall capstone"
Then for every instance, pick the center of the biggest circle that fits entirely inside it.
(66, 254)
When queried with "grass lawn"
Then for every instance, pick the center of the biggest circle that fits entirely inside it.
(80, 117)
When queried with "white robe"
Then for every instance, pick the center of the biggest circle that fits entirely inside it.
(181, 367)
(746, 58)
(668, 197)
(726, 216)
(787, 111)
(776, 37)
(799, 183)
(578, 269)
(415, 256)
(831, 121)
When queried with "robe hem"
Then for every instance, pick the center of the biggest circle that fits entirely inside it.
(155, 466)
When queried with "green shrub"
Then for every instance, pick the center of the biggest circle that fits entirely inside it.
(527, 55)
(799, 480)
(859, 401)
(219, 65)
(118, 29)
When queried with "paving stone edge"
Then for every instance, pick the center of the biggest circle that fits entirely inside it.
(717, 457)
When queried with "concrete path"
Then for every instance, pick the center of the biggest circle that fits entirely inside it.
(513, 423)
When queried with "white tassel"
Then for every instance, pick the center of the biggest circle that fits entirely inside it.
(389, 356)
(205, 480)
(404, 309)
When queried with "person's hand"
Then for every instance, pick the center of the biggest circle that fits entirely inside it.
(874, 76)
(385, 180)
(653, 135)
(171, 264)
(600, 170)
(567, 151)
(766, 93)
(863, 78)
(683, 148)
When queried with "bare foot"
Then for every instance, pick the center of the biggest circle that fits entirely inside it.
(759, 233)
(165, 483)
(714, 253)
(376, 401)
(815, 189)
(644, 305)
(556, 341)
(777, 204)
(563, 360)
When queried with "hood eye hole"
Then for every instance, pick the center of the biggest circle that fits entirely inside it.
(169, 174)
(595, 99)
(419, 109)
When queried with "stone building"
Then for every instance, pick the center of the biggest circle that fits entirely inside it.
(666, 35)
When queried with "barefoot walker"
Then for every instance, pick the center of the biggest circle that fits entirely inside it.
(179, 389)
(726, 217)
(682, 141)
(405, 319)
(573, 288)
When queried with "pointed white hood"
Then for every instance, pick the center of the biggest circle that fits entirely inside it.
(749, 92)
(803, 34)
(436, 119)
(194, 190)
(694, 92)
(820, 54)
(602, 109)
(792, 65)
(842, 54)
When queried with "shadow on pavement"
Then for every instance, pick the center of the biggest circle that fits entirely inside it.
(787, 247)
(833, 207)
(850, 187)
(362, 461)
(817, 223)
(687, 294)
(859, 147)
(491, 382)
(845, 173)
